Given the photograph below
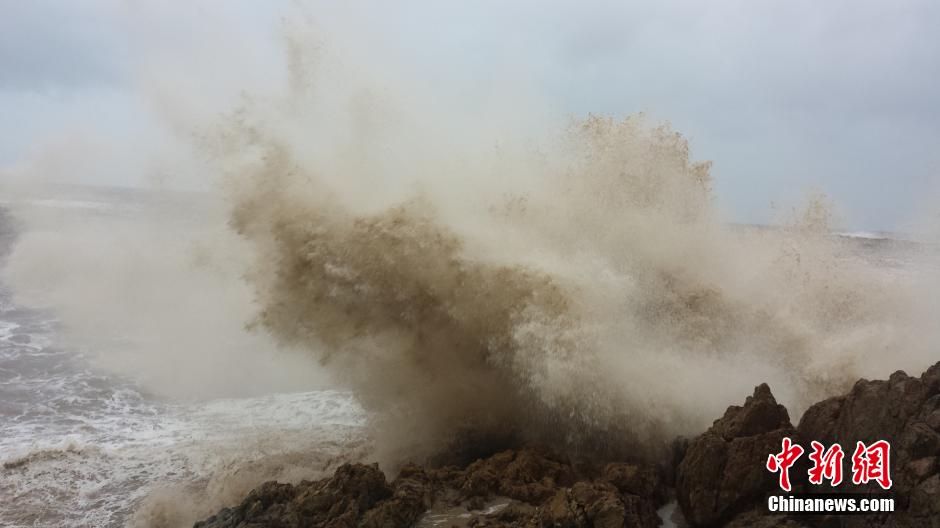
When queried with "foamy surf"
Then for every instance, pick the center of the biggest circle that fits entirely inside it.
(80, 448)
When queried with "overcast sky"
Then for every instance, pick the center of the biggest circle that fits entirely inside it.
(783, 96)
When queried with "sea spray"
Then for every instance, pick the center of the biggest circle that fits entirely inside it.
(577, 289)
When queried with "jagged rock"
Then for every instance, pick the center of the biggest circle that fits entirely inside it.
(342, 501)
(635, 479)
(598, 505)
(722, 472)
(903, 410)
(624, 495)
(524, 475)
(720, 478)
(412, 496)
(530, 488)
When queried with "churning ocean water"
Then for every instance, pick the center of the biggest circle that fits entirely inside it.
(82, 447)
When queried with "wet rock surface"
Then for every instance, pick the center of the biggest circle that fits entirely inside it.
(722, 472)
(351, 497)
(525, 488)
(720, 476)
(903, 410)
(722, 481)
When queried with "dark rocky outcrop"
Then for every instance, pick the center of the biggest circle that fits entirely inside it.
(351, 497)
(720, 476)
(722, 472)
(525, 475)
(904, 411)
(531, 489)
(595, 504)
(721, 480)
(412, 495)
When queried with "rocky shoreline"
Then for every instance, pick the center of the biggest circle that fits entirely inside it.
(718, 478)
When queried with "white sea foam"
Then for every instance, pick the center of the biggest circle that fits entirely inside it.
(99, 474)
(81, 449)
(871, 235)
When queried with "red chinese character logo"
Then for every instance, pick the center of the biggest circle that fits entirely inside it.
(872, 463)
(783, 460)
(826, 464)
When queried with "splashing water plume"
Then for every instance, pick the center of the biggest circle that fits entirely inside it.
(576, 289)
